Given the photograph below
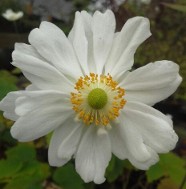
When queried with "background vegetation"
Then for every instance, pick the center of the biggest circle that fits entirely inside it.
(24, 165)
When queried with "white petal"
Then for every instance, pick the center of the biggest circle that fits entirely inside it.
(87, 24)
(69, 145)
(144, 165)
(28, 50)
(156, 75)
(37, 70)
(7, 104)
(134, 32)
(133, 143)
(31, 100)
(93, 156)
(103, 27)
(31, 88)
(117, 143)
(132, 138)
(64, 142)
(147, 109)
(87, 20)
(53, 45)
(41, 117)
(154, 127)
(79, 41)
(152, 83)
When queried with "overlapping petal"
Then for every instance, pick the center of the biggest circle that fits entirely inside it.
(8, 105)
(52, 44)
(144, 132)
(152, 83)
(79, 41)
(103, 28)
(30, 100)
(132, 140)
(93, 155)
(144, 165)
(134, 32)
(37, 70)
(64, 142)
(92, 39)
(154, 127)
(87, 22)
(117, 143)
(40, 112)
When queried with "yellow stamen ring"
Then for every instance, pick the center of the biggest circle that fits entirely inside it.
(98, 99)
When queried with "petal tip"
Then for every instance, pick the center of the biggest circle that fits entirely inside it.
(15, 133)
(99, 180)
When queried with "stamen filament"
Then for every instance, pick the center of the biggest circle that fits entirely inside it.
(98, 99)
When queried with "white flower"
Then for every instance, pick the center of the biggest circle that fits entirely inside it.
(82, 90)
(11, 15)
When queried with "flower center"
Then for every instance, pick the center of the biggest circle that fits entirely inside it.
(98, 99)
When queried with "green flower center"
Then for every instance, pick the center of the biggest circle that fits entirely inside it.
(97, 98)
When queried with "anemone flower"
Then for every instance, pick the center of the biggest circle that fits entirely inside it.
(83, 90)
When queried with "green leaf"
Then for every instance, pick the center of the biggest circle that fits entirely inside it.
(48, 138)
(8, 76)
(6, 137)
(2, 125)
(21, 170)
(30, 176)
(8, 169)
(115, 169)
(25, 172)
(16, 71)
(127, 165)
(181, 8)
(67, 177)
(22, 152)
(7, 83)
(43, 170)
(34, 168)
(169, 165)
(155, 172)
(167, 183)
(174, 166)
(26, 182)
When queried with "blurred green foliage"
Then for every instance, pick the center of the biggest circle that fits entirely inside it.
(115, 169)
(170, 166)
(7, 83)
(21, 170)
(65, 175)
(181, 8)
(6, 4)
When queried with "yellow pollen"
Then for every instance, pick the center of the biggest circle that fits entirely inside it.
(98, 99)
